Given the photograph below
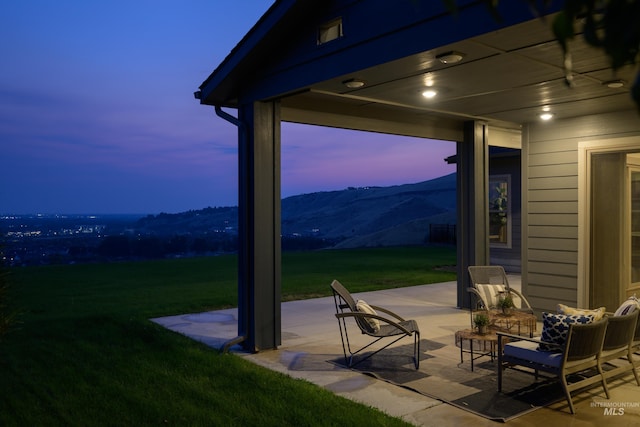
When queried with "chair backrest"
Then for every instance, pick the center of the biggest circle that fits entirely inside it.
(344, 301)
(488, 275)
(344, 294)
(585, 340)
(490, 281)
(620, 331)
(636, 336)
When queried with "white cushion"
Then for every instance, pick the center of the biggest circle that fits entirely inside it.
(491, 293)
(363, 307)
(628, 307)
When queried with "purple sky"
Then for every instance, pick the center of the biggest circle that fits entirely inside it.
(97, 113)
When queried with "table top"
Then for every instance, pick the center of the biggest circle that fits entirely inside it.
(469, 334)
(514, 315)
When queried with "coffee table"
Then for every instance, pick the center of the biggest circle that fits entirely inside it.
(517, 322)
(478, 345)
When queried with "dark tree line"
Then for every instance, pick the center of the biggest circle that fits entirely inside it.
(126, 247)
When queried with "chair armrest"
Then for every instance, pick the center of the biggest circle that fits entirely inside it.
(390, 313)
(522, 298)
(373, 316)
(479, 297)
(474, 291)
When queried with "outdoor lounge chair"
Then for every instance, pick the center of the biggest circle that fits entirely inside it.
(489, 284)
(581, 352)
(618, 343)
(380, 327)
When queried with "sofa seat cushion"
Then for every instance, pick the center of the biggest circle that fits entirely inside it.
(528, 350)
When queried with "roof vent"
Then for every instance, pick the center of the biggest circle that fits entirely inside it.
(330, 31)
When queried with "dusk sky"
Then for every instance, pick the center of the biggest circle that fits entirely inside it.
(97, 113)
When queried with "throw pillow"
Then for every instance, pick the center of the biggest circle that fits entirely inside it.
(598, 313)
(363, 307)
(555, 328)
(491, 294)
(628, 307)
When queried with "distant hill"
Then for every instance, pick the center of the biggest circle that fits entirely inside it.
(355, 217)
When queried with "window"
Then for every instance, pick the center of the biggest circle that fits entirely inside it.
(499, 210)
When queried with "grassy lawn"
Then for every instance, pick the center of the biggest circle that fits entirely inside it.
(84, 352)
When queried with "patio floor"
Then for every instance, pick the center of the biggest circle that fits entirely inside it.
(309, 329)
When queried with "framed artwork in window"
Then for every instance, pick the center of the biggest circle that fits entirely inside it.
(499, 210)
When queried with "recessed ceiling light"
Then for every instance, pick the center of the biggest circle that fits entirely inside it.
(354, 83)
(429, 93)
(546, 116)
(614, 84)
(450, 57)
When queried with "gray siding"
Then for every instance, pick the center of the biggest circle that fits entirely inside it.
(550, 189)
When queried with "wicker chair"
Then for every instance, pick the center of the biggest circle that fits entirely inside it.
(581, 352)
(489, 283)
(389, 325)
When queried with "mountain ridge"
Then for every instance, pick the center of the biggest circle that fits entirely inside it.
(361, 216)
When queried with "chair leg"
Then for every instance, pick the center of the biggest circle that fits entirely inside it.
(633, 366)
(567, 394)
(500, 367)
(416, 350)
(344, 336)
(603, 380)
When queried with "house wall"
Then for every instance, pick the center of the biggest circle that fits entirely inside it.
(551, 195)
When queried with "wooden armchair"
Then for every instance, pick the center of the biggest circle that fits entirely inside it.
(618, 343)
(581, 352)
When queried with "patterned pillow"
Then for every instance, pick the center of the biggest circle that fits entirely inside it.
(628, 307)
(363, 307)
(598, 313)
(555, 328)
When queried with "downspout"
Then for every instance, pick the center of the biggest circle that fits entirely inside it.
(228, 117)
(243, 135)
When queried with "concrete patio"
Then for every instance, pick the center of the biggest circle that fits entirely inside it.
(310, 331)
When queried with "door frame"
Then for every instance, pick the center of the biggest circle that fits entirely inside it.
(585, 150)
(630, 167)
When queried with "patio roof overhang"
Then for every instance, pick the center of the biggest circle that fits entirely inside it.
(509, 72)
(506, 78)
